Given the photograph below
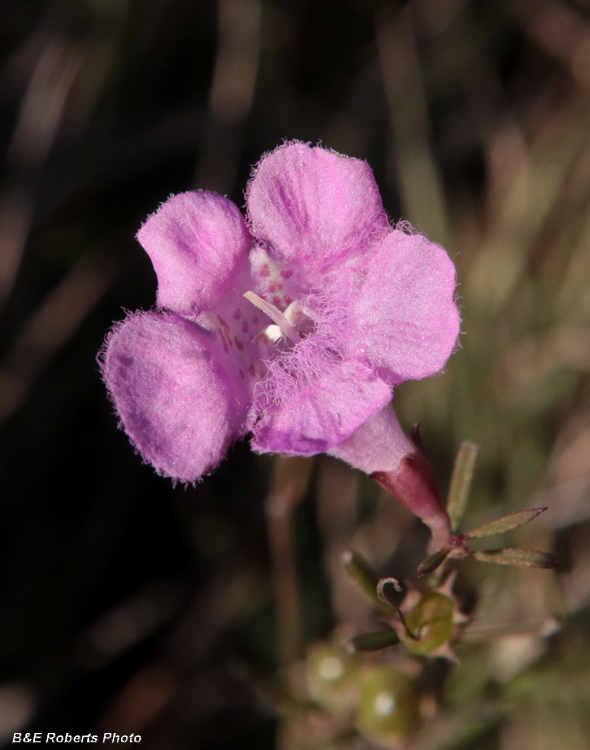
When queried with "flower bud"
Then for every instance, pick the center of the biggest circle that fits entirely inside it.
(431, 621)
(332, 677)
(389, 709)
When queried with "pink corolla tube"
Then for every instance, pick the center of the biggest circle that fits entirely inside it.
(293, 324)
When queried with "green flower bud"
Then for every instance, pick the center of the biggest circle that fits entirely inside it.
(431, 621)
(332, 677)
(389, 708)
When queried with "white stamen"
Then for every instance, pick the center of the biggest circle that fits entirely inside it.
(273, 333)
(275, 315)
(295, 313)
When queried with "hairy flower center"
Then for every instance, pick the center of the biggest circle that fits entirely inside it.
(284, 323)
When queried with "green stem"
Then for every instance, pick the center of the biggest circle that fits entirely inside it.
(289, 484)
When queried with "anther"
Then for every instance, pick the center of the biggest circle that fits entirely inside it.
(275, 315)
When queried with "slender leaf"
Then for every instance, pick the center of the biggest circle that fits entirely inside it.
(360, 572)
(434, 561)
(505, 523)
(528, 558)
(461, 482)
(374, 641)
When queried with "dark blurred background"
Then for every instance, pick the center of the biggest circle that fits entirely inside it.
(129, 605)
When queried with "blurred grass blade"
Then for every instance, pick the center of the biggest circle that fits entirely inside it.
(39, 123)
(360, 572)
(434, 561)
(373, 641)
(416, 169)
(506, 523)
(291, 475)
(461, 482)
(52, 325)
(544, 628)
(527, 558)
(459, 728)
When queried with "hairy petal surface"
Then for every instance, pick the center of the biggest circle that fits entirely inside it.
(365, 307)
(198, 243)
(404, 318)
(175, 391)
(314, 207)
(316, 417)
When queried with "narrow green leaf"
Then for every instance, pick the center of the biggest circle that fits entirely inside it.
(528, 558)
(434, 561)
(461, 482)
(373, 641)
(505, 523)
(360, 572)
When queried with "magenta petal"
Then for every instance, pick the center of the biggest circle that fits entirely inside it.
(197, 243)
(314, 206)
(322, 414)
(379, 445)
(178, 401)
(404, 319)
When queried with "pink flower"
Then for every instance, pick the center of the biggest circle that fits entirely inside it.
(339, 309)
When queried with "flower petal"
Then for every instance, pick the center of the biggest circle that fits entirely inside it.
(323, 414)
(379, 445)
(177, 397)
(197, 242)
(404, 318)
(314, 206)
